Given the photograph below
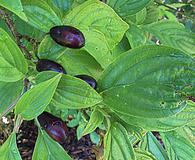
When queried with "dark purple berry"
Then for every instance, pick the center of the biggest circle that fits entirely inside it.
(88, 79)
(68, 36)
(47, 65)
(54, 127)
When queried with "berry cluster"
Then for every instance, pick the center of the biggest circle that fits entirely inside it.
(70, 37)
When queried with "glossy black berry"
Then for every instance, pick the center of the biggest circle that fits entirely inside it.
(47, 65)
(68, 36)
(88, 79)
(54, 127)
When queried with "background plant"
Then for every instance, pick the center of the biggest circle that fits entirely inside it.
(139, 52)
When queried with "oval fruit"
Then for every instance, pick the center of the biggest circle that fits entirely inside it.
(54, 127)
(88, 79)
(68, 36)
(48, 65)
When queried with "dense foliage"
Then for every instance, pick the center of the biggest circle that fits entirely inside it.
(124, 69)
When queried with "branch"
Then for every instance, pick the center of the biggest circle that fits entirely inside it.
(172, 8)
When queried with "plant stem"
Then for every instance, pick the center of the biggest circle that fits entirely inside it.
(9, 22)
(18, 123)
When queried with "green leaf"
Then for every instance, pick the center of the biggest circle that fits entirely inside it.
(136, 36)
(188, 132)
(9, 150)
(71, 92)
(177, 146)
(173, 34)
(95, 138)
(162, 124)
(40, 15)
(15, 7)
(34, 101)
(152, 14)
(103, 29)
(47, 149)
(126, 8)
(117, 145)
(13, 65)
(152, 145)
(96, 119)
(63, 6)
(150, 64)
(74, 61)
(144, 100)
(8, 93)
(149, 82)
(143, 155)
(48, 49)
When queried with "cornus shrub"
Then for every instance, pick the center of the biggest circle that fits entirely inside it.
(120, 71)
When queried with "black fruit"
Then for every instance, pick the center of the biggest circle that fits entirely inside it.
(88, 79)
(47, 65)
(54, 127)
(68, 36)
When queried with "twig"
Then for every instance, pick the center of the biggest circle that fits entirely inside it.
(172, 8)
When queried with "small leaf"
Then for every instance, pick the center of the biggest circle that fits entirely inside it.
(95, 138)
(96, 119)
(117, 145)
(9, 92)
(173, 34)
(40, 15)
(15, 7)
(9, 150)
(152, 145)
(136, 36)
(13, 65)
(126, 8)
(177, 146)
(143, 155)
(47, 149)
(34, 101)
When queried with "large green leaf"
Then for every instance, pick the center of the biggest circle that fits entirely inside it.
(152, 145)
(13, 65)
(34, 101)
(150, 64)
(15, 7)
(47, 149)
(71, 92)
(177, 146)
(144, 100)
(149, 82)
(126, 8)
(95, 121)
(40, 15)
(8, 93)
(173, 34)
(102, 27)
(9, 150)
(117, 145)
(162, 124)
